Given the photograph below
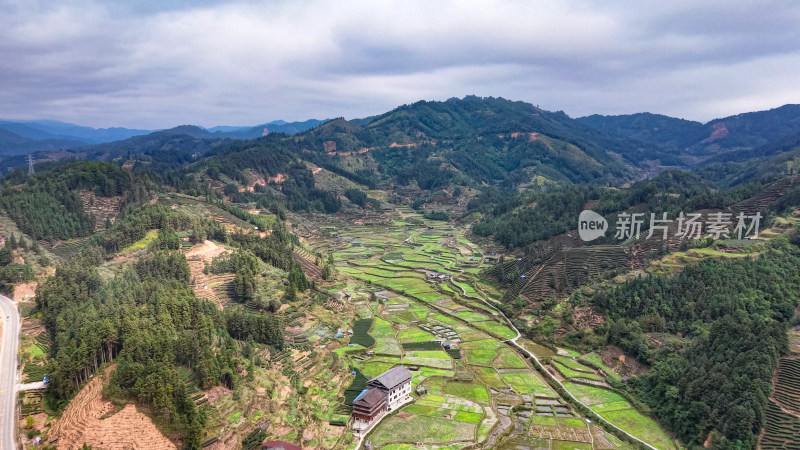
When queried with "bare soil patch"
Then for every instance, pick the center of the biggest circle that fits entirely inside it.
(127, 429)
(616, 360)
(24, 291)
(206, 251)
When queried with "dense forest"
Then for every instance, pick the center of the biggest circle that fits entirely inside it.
(147, 319)
(50, 208)
(732, 317)
(12, 272)
(517, 220)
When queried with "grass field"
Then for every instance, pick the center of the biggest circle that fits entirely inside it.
(142, 243)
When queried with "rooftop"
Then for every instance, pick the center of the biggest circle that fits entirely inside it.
(369, 398)
(392, 377)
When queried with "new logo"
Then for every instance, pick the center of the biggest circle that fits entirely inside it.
(591, 225)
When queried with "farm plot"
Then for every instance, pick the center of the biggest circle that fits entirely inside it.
(508, 359)
(781, 429)
(610, 406)
(528, 383)
(432, 419)
(471, 391)
(411, 429)
(496, 328)
(414, 335)
(787, 386)
(489, 377)
(482, 352)
(361, 333)
(436, 359)
(597, 361)
(574, 370)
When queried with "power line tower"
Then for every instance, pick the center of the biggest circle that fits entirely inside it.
(30, 164)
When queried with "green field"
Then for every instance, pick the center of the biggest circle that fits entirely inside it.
(481, 352)
(490, 377)
(449, 412)
(470, 391)
(436, 363)
(569, 373)
(609, 405)
(420, 428)
(591, 395)
(528, 383)
(509, 359)
(595, 359)
(414, 335)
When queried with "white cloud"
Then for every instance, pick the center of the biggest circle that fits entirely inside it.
(209, 63)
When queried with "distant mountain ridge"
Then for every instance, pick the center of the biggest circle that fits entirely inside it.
(696, 142)
(23, 137)
(276, 126)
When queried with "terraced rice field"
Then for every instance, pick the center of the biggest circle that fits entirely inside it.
(614, 408)
(421, 273)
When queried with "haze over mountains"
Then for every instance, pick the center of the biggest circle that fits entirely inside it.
(23, 137)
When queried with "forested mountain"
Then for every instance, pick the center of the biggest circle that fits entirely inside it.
(15, 144)
(51, 129)
(733, 136)
(47, 135)
(734, 316)
(491, 139)
(278, 126)
(50, 206)
(667, 132)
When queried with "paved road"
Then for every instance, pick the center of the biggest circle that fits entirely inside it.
(8, 373)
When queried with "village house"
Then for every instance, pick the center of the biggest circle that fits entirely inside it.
(438, 276)
(383, 394)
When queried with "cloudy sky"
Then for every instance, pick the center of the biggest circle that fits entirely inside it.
(161, 63)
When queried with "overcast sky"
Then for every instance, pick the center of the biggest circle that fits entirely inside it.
(163, 63)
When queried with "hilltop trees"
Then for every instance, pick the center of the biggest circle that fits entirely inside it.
(49, 207)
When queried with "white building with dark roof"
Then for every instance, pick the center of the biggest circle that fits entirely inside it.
(383, 394)
(396, 383)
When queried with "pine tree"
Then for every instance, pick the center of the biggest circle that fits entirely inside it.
(11, 242)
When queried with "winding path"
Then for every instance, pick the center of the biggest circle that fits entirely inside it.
(8, 373)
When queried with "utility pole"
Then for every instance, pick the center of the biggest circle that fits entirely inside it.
(30, 164)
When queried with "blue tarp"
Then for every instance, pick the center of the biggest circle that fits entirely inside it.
(359, 395)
